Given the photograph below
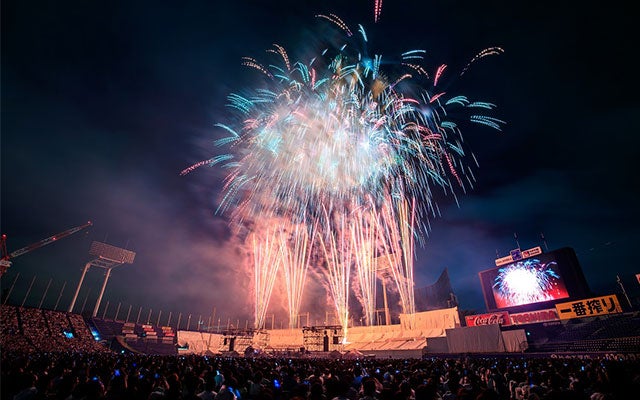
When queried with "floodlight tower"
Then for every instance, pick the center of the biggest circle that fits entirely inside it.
(383, 275)
(108, 257)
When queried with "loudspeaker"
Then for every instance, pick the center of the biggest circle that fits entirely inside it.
(232, 342)
(325, 343)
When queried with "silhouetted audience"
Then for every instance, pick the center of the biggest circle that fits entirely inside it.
(40, 362)
(74, 375)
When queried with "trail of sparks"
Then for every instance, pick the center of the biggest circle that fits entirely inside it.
(267, 260)
(364, 238)
(318, 140)
(337, 249)
(377, 10)
(296, 246)
(399, 248)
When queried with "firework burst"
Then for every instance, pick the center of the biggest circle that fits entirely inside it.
(323, 139)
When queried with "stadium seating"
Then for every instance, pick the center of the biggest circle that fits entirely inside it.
(617, 333)
(108, 329)
(33, 329)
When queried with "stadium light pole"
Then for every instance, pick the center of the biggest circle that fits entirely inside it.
(387, 317)
(107, 257)
(11, 288)
(45, 293)
(128, 312)
(382, 272)
(104, 286)
(60, 295)
(28, 291)
(624, 292)
(84, 303)
(75, 296)
(104, 312)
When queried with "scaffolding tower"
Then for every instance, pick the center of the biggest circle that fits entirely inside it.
(322, 337)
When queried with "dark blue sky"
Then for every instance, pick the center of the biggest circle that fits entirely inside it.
(103, 104)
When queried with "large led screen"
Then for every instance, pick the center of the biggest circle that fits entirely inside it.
(538, 279)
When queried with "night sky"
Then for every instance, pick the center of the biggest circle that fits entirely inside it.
(104, 103)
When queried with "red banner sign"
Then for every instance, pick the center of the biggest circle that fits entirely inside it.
(501, 318)
(531, 317)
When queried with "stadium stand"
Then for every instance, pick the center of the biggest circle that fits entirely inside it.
(617, 333)
(108, 329)
(36, 330)
(33, 329)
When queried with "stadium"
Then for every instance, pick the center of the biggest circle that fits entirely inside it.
(553, 317)
(536, 302)
(331, 164)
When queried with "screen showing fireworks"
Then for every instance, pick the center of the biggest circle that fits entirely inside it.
(528, 281)
(546, 277)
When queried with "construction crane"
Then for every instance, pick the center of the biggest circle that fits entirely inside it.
(5, 261)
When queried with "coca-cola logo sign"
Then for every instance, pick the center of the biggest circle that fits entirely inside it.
(501, 318)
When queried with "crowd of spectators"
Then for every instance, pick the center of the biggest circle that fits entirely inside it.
(52, 355)
(112, 376)
(36, 330)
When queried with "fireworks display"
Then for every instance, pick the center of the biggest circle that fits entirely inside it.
(527, 281)
(341, 153)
